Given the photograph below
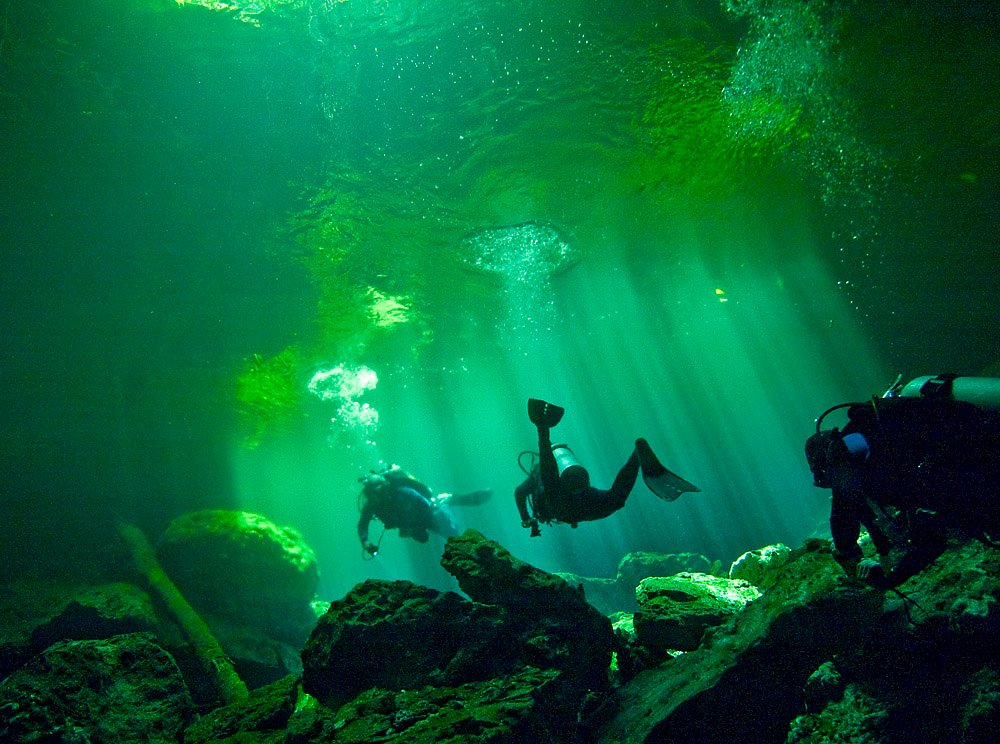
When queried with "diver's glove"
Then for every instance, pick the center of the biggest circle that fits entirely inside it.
(369, 548)
(871, 572)
(533, 524)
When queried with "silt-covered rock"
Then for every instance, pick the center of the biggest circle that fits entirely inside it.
(123, 689)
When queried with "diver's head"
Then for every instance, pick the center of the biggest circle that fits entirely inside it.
(829, 449)
(372, 483)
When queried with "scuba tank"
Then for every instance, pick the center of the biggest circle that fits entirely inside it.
(980, 391)
(572, 475)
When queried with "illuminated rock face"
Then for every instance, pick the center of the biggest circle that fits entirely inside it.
(524, 258)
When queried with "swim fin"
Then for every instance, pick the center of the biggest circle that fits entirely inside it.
(473, 498)
(664, 483)
(544, 414)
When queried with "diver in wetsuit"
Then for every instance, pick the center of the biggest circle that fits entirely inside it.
(910, 468)
(399, 500)
(558, 488)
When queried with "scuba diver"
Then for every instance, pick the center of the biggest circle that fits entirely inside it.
(399, 500)
(911, 467)
(558, 488)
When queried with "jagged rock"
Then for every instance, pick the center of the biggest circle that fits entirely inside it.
(639, 565)
(618, 594)
(754, 667)
(99, 612)
(261, 718)
(855, 718)
(552, 620)
(674, 611)
(956, 597)
(824, 686)
(38, 614)
(394, 635)
(243, 568)
(122, 689)
(762, 566)
(398, 635)
(513, 709)
(920, 664)
(980, 714)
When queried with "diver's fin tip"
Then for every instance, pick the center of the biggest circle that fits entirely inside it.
(669, 486)
(544, 414)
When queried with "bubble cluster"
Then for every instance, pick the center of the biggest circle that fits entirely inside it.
(343, 385)
(524, 257)
(789, 81)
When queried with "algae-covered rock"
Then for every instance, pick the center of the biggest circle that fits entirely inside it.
(36, 614)
(618, 594)
(397, 635)
(99, 611)
(552, 619)
(245, 568)
(760, 567)
(674, 611)
(260, 718)
(521, 624)
(124, 689)
(512, 709)
(754, 666)
(856, 718)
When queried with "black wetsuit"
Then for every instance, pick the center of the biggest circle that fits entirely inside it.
(551, 502)
(930, 465)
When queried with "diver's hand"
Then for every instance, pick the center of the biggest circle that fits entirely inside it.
(871, 572)
(533, 525)
(369, 548)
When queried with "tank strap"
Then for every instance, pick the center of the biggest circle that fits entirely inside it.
(938, 387)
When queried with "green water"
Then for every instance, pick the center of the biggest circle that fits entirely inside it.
(698, 223)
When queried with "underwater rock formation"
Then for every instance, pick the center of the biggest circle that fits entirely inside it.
(817, 658)
(822, 658)
(242, 568)
(34, 619)
(760, 566)
(618, 594)
(395, 635)
(122, 689)
(674, 611)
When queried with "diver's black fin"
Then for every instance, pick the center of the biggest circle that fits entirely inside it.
(473, 498)
(664, 483)
(544, 414)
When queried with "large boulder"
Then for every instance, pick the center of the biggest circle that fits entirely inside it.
(123, 689)
(397, 635)
(261, 718)
(243, 568)
(522, 626)
(762, 566)
(550, 619)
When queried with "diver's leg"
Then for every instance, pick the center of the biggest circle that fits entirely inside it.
(624, 482)
(547, 462)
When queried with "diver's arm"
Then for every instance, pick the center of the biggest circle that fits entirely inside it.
(366, 517)
(521, 494)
